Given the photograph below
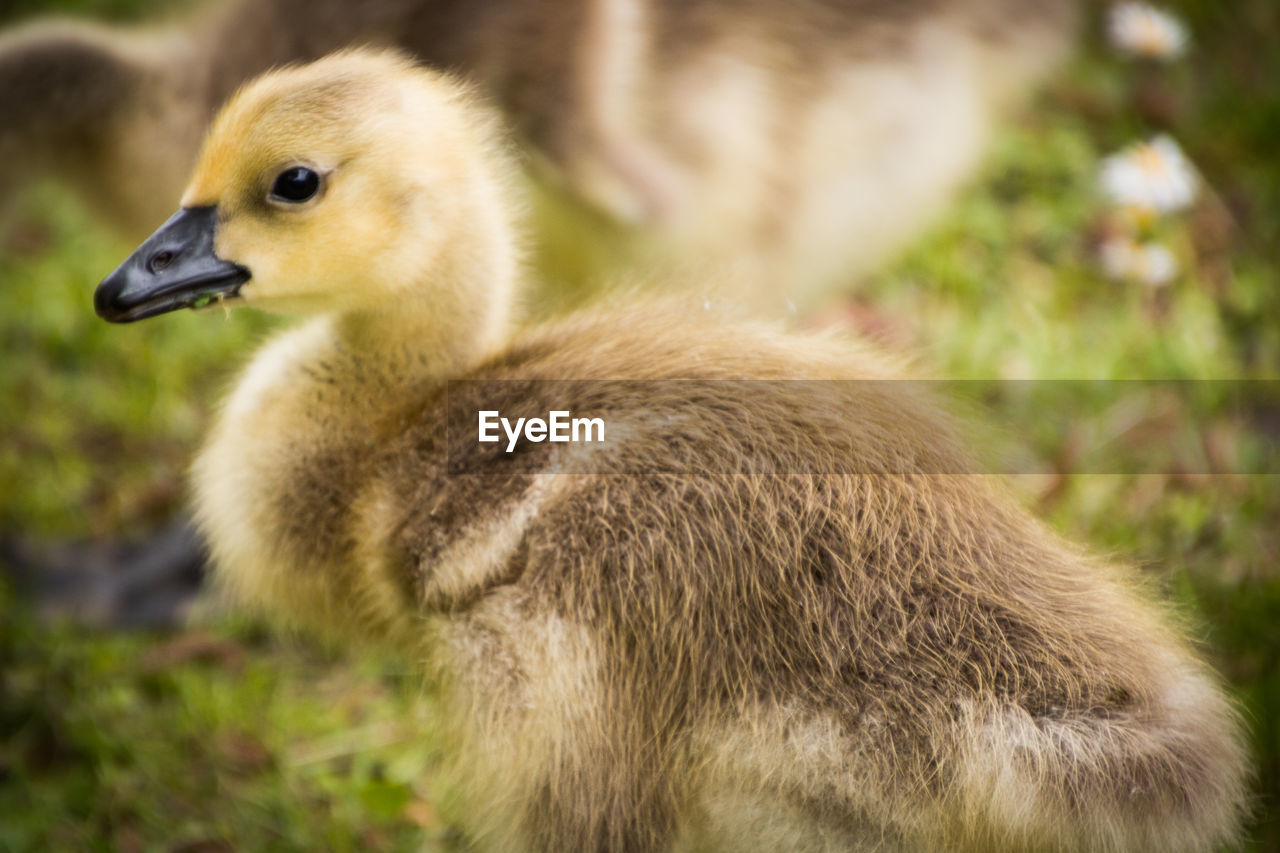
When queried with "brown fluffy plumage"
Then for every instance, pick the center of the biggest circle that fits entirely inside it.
(782, 146)
(648, 644)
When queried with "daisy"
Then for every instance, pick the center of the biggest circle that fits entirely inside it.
(1150, 263)
(1153, 176)
(1143, 30)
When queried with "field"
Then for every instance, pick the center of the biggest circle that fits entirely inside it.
(224, 735)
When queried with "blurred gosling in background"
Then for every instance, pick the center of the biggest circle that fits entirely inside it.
(781, 146)
(678, 657)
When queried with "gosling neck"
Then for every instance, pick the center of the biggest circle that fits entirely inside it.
(458, 310)
(431, 333)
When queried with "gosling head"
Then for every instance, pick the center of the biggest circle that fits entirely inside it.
(356, 184)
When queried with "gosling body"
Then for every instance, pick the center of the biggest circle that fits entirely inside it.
(780, 147)
(774, 621)
(665, 653)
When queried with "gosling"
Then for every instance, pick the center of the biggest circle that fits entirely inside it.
(647, 644)
(785, 146)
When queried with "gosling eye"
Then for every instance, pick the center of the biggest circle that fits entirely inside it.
(295, 185)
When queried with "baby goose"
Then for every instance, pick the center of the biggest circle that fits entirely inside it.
(770, 622)
(117, 114)
(769, 142)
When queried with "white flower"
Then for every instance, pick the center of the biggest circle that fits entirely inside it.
(1155, 264)
(1152, 175)
(1140, 29)
(1116, 254)
(1150, 263)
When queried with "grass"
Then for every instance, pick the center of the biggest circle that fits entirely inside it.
(208, 741)
(225, 736)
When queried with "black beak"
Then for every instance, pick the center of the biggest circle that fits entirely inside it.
(175, 268)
